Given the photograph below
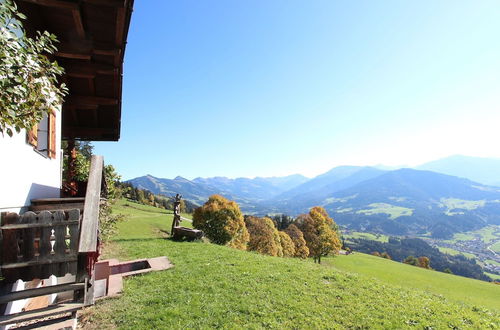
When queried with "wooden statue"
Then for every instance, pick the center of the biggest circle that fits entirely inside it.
(177, 212)
(179, 232)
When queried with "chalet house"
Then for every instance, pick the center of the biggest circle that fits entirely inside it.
(40, 239)
(92, 35)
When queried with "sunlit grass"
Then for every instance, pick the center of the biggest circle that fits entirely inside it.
(214, 286)
(456, 288)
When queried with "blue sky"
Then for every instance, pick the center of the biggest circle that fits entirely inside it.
(271, 88)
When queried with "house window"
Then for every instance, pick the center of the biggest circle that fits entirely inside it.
(43, 136)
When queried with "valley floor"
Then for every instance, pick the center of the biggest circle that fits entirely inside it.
(482, 244)
(215, 286)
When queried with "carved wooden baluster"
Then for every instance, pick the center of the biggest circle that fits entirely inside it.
(60, 245)
(28, 246)
(74, 231)
(9, 246)
(45, 217)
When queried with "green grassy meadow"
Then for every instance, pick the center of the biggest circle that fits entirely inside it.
(493, 276)
(487, 234)
(373, 237)
(214, 286)
(392, 210)
(454, 252)
(456, 288)
(496, 247)
(459, 204)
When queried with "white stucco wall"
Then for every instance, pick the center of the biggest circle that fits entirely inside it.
(26, 174)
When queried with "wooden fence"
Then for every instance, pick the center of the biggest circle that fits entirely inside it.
(37, 245)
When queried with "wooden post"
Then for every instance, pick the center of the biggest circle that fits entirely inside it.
(88, 249)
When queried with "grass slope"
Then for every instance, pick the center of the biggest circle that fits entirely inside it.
(457, 288)
(215, 286)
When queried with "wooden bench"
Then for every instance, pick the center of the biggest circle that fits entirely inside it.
(188, 233)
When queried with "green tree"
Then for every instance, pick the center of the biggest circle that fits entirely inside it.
(282, 221)
(29, 84)
(84, 152)
(411, 260)
(222, 222)
(319, 233)
(301, 249)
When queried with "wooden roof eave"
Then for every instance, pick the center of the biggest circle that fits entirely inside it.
(92, 35)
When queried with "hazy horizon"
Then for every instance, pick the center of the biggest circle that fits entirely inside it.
(380, 166)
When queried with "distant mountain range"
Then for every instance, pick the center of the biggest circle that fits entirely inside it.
(398, 202)
(483, 170)
(247, 192)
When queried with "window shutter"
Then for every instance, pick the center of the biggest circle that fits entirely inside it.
(51, 136)
(33, 136)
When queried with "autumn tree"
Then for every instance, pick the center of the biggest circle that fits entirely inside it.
(319, 233)
(424, 262)
(287, 245)
(222, 222)
(385, 255)
(297, 237)
(264, 237)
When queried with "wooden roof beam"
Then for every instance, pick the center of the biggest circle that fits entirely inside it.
(87, 55)
(89, 70)
(77, 17)
(120, 23)
(86, 50)
(55, 3)
(108, 3)
(81, 100)
(91, 132)
(73, 55)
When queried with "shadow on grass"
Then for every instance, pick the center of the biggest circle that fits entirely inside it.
(165, 232)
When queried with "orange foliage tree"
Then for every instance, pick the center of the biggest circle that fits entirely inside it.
(287, 245)
(264, 237)
(424, 262)
(319, 233)
(301, 249)
(386, 255)
(222, 222)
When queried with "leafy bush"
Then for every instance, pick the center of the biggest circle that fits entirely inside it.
(108, 221)
(222, 222)
(28, 80)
